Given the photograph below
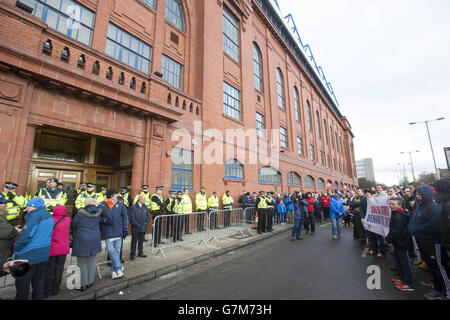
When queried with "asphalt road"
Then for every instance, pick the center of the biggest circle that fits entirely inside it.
(316, 268)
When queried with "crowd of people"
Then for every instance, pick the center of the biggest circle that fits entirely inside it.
(419, 226)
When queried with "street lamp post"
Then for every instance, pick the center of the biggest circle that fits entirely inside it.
(411, 162)
(429, 139)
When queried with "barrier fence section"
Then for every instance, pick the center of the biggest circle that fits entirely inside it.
(202, 227)
(226, 222)
(173, 227)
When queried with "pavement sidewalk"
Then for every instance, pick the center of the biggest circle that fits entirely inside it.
(154, 266)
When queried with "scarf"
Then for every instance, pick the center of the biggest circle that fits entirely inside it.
(111, 203)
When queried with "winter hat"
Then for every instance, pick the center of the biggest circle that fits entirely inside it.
(110, 193)
(36, 202)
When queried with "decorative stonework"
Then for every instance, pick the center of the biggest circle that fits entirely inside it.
(10, 91)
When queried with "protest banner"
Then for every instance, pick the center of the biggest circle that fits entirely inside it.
(378, 215)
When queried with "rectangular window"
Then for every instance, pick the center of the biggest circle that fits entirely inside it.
(182, 168)
(151, 3)
(128, 49)
(260, 128)
(54, 147)
(172, 72)
(311, 151)
(321, 157)
(299, 145)
(231, 101)
(283, 137)
(65, 16)
(328, 161)
(230, 34)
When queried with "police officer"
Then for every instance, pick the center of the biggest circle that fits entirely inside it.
(83, 187)
(213, 206)
(102, 195)
(187, 209)
(270, 207)
(52, 195)
(16, 202)
(261, 205)
(146, 195)
(201, 206)
(177, 208)
(125, 195)
(227, 202)
(169, 210)
(88, 193)
(157, 206)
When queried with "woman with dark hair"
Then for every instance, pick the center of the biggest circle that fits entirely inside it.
(310, 220)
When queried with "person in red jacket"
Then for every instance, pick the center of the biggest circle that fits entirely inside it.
(325, 200)
(59, 249)
(310, 220)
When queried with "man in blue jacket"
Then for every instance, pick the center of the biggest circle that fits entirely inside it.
(34, 245)
(424, 224)
(336, 215)
(114, 230)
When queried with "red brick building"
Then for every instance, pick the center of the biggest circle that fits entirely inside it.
(93, 90)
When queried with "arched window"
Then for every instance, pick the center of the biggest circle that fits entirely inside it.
(309, 182)
(293, 179)
(342, 186)
(331, 135)
(257, 68)
(329, 184)
(297, 104)
(320, 183)
(308, 115)
(325, 131)
(233, 169)
(269, 175)
(319, 131)
(174, 13)
(280, 88)
(336, 185)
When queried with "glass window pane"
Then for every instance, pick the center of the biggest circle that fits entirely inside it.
(52, 19)
(54, 3)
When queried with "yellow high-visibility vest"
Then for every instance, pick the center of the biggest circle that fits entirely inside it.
(48, 201)
(213, 202)
(262, 203)
(200, 201)
(178, 207)
(227, 200)
(79, 202)
(187, 204)
(155, 206)
(269, 206)
(14, 209)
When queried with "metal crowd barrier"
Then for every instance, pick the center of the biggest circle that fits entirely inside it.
(223, 223)
(203, 227)
(186, 223)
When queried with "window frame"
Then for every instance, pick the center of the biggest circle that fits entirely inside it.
(131, 39)
(257, 66)
(231, 46)
(270, 180)
(280, 89)
(178, 22)
(283, 134)
(182, 169)
(258, 129)
(227, 106)
(44, 16)
(236, 166)
(298, 117)
(175, 63)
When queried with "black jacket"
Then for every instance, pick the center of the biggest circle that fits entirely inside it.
(139, 218)
(443, 197)
(398, 229)
(2, 262)
(363, 208)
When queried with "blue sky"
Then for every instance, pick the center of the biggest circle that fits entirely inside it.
(389, 64)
